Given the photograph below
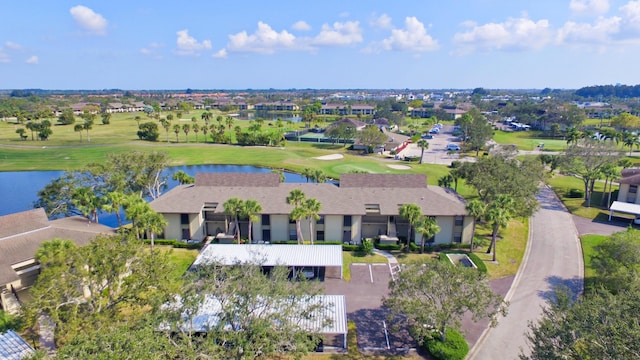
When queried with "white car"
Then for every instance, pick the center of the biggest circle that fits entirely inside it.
(453, 147)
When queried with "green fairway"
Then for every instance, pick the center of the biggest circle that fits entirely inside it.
(528, 140)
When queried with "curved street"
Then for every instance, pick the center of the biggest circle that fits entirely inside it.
(553, 258)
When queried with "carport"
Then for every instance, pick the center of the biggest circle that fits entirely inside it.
(267, 255)
(623, 207)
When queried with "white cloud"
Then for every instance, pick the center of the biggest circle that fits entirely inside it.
(89, 20)
(152, 50)
(414, 37)
(188, 45)
(631, 14)
(221, 54)
(4, 57)
(12, 45)
(264, 40)
(600, 32)
(513, 34)
(301, 26)
(339, 34)
(32, 60)
(381, 22)
(589, 7)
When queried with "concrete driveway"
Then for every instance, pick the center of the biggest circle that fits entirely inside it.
(553, 258)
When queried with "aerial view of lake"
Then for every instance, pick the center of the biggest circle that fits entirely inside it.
(19, 189)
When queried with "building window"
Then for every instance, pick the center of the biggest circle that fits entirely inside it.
(321, 220)
(293, 234)
(459, 220)
(291, 221)
(184, 219)
(266, 235)
(457, 237)
(320, 235)
(266, 220)
(346, 220)
(633, 189)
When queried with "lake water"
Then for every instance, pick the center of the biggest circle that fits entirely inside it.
(19, 189)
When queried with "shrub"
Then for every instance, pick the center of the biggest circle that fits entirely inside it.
(175, 243)
(482, 267)
(413, 247)
(453, 348)
(348, 247)
(443, 257)
(366, 247)
(388, 247)
(575, 193)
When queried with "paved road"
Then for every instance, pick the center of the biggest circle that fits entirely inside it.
(554, 258)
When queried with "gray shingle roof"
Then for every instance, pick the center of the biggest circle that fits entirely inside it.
(389, 193)
(21, 242)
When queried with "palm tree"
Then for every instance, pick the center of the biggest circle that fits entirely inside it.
(477, 209)
(55, 251)
(295, 198)
(251, 209)
(166, 124)
(609, 172)
(186, 128)
(413, 214)
(152, 223)
(182, 177)
(85, 199)
(229, 122)
(423, 144)
(113, 201)
(319, 176)
(206, 116)
(78, 128)
(573, 135)
(176, 129)
(196, 129)
(205, 130)
(307, 173)
(630, 140)
(88, 125)
(427, 229)
(311, 208)
(234, 207)
(498, 213)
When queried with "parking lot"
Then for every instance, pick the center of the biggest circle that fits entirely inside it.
(364, 294)
(437, 152)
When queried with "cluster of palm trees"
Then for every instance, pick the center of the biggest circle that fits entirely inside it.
(497, 212)
(627, 138)
(223, 124)
(315, 175)
(303, 208)
(242, 208)
(426, 226)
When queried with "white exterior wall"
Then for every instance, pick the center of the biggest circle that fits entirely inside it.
(333, 228)
(256, 229)
(445, 236)
(173, 229)
(279, 227)
(467, 230)
(356, 228)
(622, 193)
(196, 226)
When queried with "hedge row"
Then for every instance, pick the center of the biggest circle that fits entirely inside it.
(175, 243)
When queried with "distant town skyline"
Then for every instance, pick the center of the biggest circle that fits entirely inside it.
(460, 44)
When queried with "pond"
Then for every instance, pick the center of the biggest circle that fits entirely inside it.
(19, 189)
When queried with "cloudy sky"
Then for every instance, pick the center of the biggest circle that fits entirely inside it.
(318, 44)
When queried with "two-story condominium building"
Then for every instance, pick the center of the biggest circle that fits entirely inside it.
(277, 106)
(346, 110)
(361, 206)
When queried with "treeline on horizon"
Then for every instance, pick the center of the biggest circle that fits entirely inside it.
(592, 92)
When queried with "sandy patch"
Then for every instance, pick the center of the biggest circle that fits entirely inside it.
(399, 167)
(330, 157)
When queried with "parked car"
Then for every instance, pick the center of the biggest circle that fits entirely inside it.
(453, 147)
(427, 136)
(434, 131)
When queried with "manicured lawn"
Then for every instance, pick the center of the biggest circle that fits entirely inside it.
(528, 140)
(589, 242)
(350, 257)
(511, 245)
(562, 184)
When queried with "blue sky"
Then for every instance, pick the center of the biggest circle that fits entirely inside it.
(318, 44)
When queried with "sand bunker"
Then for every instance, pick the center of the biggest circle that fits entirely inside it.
(399, 167)
(330, 157)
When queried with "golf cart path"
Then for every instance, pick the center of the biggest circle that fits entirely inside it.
(553, 258)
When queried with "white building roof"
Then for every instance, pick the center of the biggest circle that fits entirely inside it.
(271, 255)
(624, 208)
(13, 347)
(334, 309)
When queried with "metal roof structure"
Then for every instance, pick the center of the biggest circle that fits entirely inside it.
(624, 207)
(271, 255)
(13, 347)
(333, 307)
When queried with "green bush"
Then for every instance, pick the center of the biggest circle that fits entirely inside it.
(366, 247)
(413, 247)
(175, 243)
(443, 257)
(348, 247)
(454, 347)
(482, 267)
(388, 247)
(575, 193)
